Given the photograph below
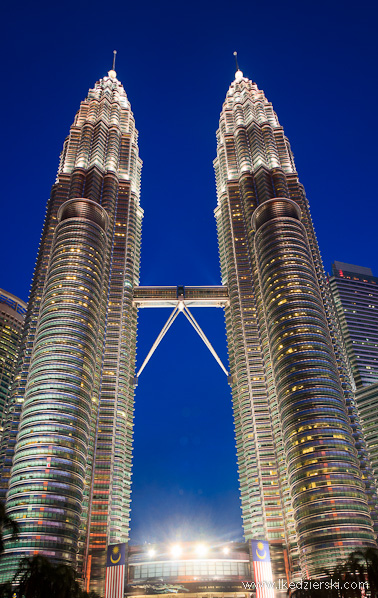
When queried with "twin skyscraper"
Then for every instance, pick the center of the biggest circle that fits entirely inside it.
(66, 456)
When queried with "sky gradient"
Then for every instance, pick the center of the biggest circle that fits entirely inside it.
(316, 63)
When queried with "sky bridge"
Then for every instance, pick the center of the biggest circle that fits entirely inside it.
(204, 296)
(180, 298)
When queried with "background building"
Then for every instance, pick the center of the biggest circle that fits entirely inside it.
(355, 294)
(367, 403)
(12, 314)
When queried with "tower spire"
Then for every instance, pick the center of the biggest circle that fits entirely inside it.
(236, 61)
(112, 74)
(239, 73)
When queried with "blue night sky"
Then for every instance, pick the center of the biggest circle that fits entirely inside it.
(316, 62)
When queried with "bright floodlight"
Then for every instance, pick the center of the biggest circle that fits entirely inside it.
(201, 550)
(151, 552)
(226, 550)
(176, 550)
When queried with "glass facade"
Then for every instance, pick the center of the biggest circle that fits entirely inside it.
(355, 294)
(189, 292)
(155, 564)
(322, 465)
(254, 164)
(367, 401)
(71, 481)
(46, 487)
(184, 570)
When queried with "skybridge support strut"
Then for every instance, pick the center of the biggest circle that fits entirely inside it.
(162, 333)
(203, 336)
(180, 307)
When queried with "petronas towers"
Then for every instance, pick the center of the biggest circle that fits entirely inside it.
(305, 479)
(73, 403)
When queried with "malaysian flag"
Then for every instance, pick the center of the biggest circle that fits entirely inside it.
(115, 571)
(262, 569)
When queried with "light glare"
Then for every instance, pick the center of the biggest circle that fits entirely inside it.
(201, 550)
(176, 550)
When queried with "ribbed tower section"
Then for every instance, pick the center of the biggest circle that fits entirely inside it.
(255, 164)
(72, 405)
(50, 461)
(321, 458)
